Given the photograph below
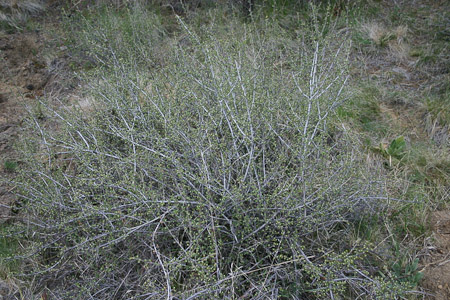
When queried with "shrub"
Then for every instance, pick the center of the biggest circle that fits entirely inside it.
(212, 176)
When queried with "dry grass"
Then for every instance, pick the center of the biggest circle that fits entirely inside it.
(394, 39)
(398, 46)
(375, 31)
(14, 13)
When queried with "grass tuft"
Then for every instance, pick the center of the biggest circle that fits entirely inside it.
(15, 13)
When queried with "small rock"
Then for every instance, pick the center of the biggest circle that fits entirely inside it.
(440, 287)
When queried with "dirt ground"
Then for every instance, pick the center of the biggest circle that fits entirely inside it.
(437, 261)
(24, 78)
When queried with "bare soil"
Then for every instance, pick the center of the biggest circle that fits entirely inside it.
(24, 78)
(437, 263)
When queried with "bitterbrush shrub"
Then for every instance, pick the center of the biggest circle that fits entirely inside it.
(213, 176)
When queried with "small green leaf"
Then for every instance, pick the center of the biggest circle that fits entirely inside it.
(415, 264)
(397, 148)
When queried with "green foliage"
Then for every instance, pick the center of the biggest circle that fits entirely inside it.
(408, 272)
(397, 148)
(361, 39)
(8, 248)
(439, 108)
(363, 110)
(105, 36)
(10, 166)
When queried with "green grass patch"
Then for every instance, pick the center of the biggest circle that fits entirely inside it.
(364, 111)
(10, 166)
(439, 108)
(9, 246)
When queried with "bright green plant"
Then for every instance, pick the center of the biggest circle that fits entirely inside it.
(395, 150)
(408, 272)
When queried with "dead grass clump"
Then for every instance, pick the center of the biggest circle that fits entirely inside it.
(14, 13)
(376, 32)
(398, 46)
(393, 39)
